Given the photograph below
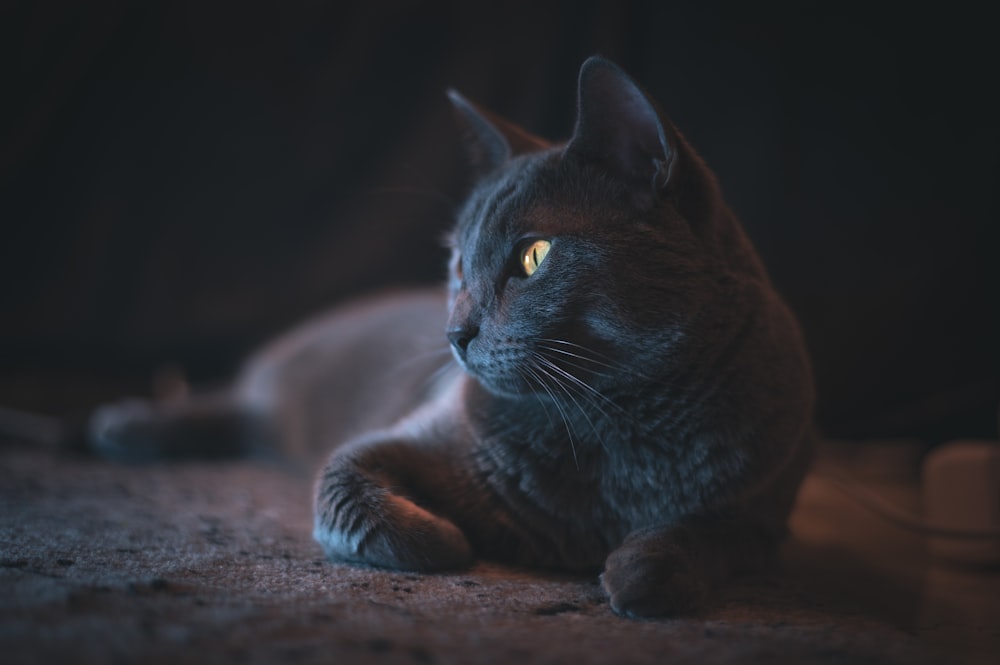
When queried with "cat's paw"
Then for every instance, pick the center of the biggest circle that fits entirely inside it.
(122, 430)
(392, 533)
(652, 575)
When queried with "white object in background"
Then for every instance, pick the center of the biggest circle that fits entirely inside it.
(961, 491)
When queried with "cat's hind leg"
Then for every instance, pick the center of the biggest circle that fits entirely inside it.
(375, 504)
(201, 426)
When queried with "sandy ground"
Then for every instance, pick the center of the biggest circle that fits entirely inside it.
(214, 563)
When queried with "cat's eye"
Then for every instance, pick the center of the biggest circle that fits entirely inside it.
(533, 255)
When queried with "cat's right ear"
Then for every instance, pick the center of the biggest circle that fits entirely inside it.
(489, 139)
(620, 127)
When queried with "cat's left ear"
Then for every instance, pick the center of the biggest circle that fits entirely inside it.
(619, 126)
(491, 140)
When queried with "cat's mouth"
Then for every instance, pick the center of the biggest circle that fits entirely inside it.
(499, 369)
(550, 370)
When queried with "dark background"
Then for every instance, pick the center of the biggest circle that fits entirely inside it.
(180, 180)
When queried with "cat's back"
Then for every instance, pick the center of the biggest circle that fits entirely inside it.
(356, 368)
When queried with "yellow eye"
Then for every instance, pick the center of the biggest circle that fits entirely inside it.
(533, 255)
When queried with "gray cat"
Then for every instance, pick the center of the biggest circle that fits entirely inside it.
(626, 390)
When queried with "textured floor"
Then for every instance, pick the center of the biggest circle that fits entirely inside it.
(214, 563)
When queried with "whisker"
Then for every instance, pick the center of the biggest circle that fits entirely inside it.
(439, 373)
(591, 356)
(575, 355)
(423, 355)
(566, 391)
(559, 408)
(530, 376)
(589, 390)
(555, 340)
(577, 365)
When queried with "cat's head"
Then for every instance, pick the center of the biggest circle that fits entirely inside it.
(582, 265)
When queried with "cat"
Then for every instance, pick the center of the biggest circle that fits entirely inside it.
(609, 383)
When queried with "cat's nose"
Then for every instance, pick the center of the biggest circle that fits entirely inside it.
(460, 338)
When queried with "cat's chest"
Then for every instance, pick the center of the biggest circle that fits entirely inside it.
(615, 486)
(551, 501)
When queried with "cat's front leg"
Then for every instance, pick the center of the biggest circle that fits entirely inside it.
(372, 507)
(671, 570)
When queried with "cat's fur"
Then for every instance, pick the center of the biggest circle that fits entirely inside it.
(640, 405)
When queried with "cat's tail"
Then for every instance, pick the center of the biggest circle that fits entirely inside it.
(32, 428)
(209, 426)
(198, 427)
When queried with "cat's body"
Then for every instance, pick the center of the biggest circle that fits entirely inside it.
(635, 395)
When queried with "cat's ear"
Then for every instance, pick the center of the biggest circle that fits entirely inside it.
(619, 126)
(489, 139)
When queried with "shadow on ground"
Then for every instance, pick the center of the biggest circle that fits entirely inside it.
(214, 563)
